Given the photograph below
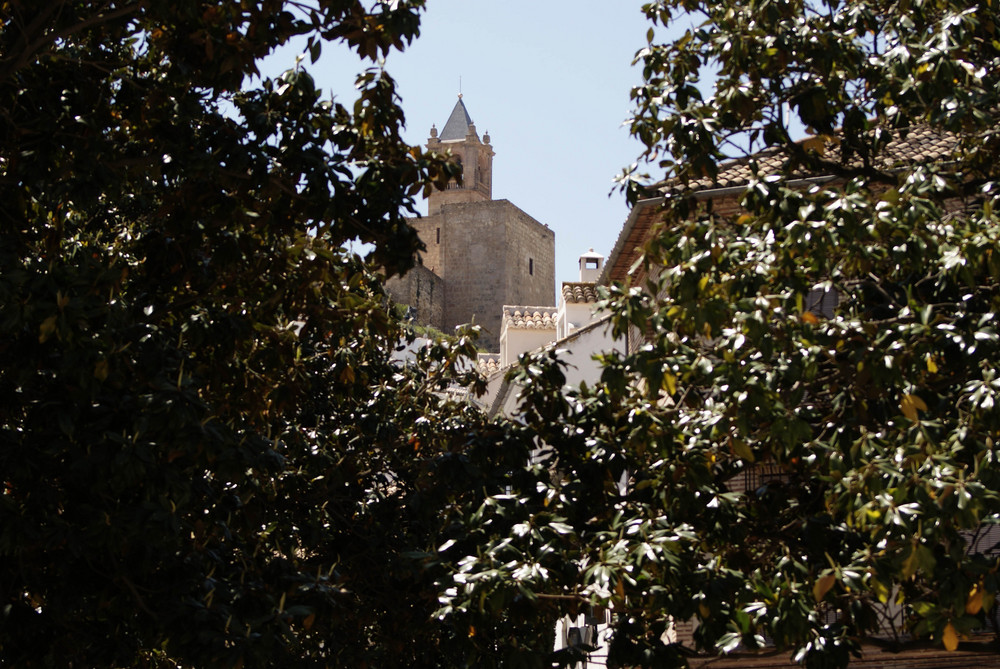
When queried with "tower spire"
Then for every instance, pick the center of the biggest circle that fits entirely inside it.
(458, 123)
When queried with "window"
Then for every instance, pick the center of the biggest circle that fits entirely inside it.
(531, 266)
(439, 235)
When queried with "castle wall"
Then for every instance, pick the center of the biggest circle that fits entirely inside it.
(454, 194)
(429, 228)
(530, 259)
(423, 291)
(480, 253)
(491, 254)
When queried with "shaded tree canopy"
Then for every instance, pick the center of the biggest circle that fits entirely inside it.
(198, 413)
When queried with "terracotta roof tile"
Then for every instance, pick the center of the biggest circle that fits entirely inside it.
(489, 363)
(921, 144)
(574, 293)
(517, 317)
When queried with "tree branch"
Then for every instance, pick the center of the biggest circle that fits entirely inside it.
(27, 53)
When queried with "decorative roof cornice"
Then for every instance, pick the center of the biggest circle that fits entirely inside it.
(529, 318)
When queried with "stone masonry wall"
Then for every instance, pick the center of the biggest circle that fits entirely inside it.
(480, 256)
(487, 249)
(423, 291)
(530, 260)
(429, 230)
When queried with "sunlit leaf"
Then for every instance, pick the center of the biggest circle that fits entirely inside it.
(974, 603)
(949, 637)
(910, 405)
(823, 585)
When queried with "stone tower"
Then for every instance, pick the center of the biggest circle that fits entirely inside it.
(459, 136)
(481, 253)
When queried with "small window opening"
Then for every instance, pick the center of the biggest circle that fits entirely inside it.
(531, 266)
(439, 235)
(590, 263)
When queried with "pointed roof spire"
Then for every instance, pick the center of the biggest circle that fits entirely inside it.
(458, 123)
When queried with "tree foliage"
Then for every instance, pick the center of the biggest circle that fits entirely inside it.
(781, 478)
(207, 456)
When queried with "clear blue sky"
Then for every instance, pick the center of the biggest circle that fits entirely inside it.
(548, 79)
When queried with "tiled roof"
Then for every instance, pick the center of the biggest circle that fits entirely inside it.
(921, 144)
(523, 318)
(574, 293)
(489, 363)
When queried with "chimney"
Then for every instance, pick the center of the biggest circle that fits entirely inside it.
(591, 265)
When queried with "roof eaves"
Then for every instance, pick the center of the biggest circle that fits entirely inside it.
(633, 216)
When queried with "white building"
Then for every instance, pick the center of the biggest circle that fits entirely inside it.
(574, 329)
